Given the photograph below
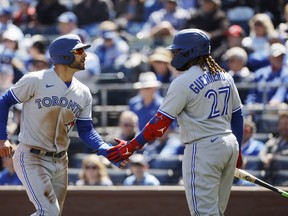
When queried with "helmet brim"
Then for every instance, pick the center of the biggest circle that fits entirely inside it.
(172, 47)
(81, 45)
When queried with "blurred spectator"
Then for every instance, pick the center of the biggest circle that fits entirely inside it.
(6, 81)
(134, 65)
(165, 21)
(150, 6)
(93, 172)
(211, 19)
(282, 28)
(5, 3)
(8, 175)
(36, 49)
(111, 49)
(37, 45)
(275, 146)
(236, 58)
(128, 126)
(272, 8)
(130, 15)
(93, 11)
(11, 54)
(189, 4)
(234, 36)
(6, 21)
(68, 24)
(250, 146)
(167, 145)
(147, 102)
(6, 77)
(276, 73)
(160, 62)
(47, 12)
(130, 10)
(261, 32)
(37, 63)
(140, 176)
(25, 16)
(239, 12)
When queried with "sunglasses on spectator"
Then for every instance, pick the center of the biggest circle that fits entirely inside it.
(79, 51)
(124, 124)
(91, 167)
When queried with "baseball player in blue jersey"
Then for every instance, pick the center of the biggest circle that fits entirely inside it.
(53, 102)
(205, 101)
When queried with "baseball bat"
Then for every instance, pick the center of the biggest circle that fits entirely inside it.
(242, 174)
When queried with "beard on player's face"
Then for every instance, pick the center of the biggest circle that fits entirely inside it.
(77, 65)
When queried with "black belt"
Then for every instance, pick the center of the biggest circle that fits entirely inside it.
(49, 154)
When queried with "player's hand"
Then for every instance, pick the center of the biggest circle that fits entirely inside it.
(123, 150)
(5, 148)
(239, 160)
(103, 151)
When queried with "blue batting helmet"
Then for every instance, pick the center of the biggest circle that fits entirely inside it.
(191, 43)
(61, 48)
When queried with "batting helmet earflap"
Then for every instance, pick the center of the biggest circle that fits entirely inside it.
(191, 43)
(60, 49)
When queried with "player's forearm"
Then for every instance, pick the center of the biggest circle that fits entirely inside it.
(156, 127)
(6, 101)
(237, 125)
(88, 134)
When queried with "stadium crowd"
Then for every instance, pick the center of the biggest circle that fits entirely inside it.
(249, 39)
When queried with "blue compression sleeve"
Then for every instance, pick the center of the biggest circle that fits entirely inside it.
(88, 134)
(6, 101)
(237, 125)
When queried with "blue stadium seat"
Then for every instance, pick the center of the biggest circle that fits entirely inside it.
(165, 176)
(117, 176)
(280, 178)
(280, 162)
(253, 162)
(76, 160)
(172, 165)
(172, 162)
(73, 175)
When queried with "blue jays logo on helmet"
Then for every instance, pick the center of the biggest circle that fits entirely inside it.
(60, 49)
(191, 43)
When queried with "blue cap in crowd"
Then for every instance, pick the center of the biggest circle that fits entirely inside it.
(4, 11)
(68, 17)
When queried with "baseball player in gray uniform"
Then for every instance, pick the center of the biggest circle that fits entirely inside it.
(205, 101)
(53, 102)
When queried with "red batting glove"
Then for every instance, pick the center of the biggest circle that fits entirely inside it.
(123, 150)
(239, 160)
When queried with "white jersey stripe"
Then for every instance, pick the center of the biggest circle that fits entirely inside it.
(166, 114)
(15, 97)
(85, 119)
(235, 110)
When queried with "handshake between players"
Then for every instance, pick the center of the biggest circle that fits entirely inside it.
(156, 127)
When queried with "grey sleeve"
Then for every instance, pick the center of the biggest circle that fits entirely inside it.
(86, 113)
(25, 88)
(175, 100)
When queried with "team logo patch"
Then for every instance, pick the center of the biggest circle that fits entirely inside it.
(70, 125)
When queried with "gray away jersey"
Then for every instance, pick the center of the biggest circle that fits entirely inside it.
(203, 103)
(50, 109)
